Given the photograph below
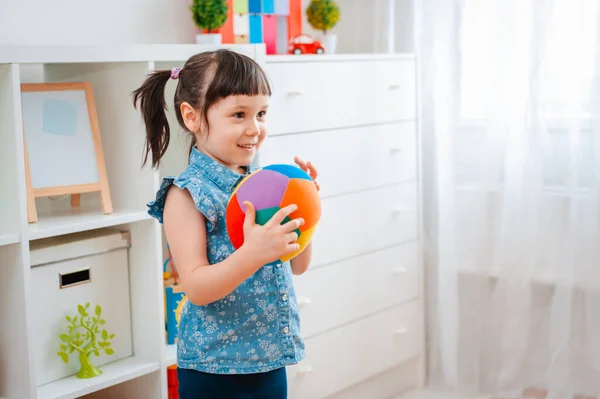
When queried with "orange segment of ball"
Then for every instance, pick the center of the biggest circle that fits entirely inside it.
(309, 206)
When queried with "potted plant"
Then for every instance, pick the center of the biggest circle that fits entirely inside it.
(323, 15)
(209, 16)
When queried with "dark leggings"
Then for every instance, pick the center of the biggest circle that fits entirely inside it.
(198, 385)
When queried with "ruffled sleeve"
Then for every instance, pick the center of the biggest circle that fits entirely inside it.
(202, 200)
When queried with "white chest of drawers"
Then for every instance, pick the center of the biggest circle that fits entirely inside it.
(361, 301)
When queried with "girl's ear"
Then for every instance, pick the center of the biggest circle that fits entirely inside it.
(191, 117)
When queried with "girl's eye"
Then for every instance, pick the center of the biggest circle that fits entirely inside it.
(262, 114)
(238, 115)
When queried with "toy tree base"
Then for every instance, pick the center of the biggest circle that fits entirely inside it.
(88, 370)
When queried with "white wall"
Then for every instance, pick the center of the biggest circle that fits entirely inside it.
(169, 21)
(95, 21)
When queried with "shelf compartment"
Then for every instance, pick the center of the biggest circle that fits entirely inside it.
(76, 220)
(113, 374)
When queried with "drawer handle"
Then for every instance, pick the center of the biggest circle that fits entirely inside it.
(398, 210)
(66, 280)
(394, 86)
(305, 370)
(396, 149)
(295, 92)
(401, 331)
(303, 301)
(399, 270)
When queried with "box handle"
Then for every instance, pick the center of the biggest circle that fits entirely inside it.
(77, 277)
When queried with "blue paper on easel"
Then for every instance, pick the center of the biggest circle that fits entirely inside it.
(59, 117)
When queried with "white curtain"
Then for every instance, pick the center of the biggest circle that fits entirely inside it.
(510, 94)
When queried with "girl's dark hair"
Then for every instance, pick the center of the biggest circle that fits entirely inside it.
(205, 79)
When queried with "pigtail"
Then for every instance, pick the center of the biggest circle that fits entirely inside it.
(151, 98)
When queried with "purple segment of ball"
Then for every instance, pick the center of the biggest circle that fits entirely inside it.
(264, 189)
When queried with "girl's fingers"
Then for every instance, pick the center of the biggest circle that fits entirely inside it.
(278, 217)
(292, 225)
(313, 171)
(301, 163)
(291, 237)
(291, 248)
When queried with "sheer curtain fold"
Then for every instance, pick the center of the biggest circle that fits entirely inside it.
(510, 103)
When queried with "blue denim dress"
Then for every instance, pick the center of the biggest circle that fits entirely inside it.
(257, 327)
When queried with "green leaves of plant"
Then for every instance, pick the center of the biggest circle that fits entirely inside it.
(209, 14)
(323, 14)
(63, 356)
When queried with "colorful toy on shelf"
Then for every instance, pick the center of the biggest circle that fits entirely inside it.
(175, 300)
(172, 382)
(83, 338)
(273, 22)
(305, 44)
(270, 189)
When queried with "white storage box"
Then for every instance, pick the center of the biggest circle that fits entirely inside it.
(75, 269)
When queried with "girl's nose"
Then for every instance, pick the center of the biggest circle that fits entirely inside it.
(253, 129)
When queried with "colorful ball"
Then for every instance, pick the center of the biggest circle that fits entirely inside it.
(269, 189)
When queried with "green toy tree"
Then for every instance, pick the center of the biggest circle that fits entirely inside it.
(323, 14)
(83, 338)
(209, 15)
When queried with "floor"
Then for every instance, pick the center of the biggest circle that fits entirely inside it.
(430, 394)
(526, 394)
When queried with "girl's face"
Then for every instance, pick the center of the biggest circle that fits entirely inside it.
(236, 129)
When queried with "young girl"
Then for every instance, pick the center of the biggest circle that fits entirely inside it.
(240, 327)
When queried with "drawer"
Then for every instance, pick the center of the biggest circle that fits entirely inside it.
(365, 221)
(345, 356)
(68, 271)
(351, 159)
(334, 94)
(340, 293)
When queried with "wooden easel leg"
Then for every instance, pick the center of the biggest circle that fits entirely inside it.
(31, 211)
(107, 207)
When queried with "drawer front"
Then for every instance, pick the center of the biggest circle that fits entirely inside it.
(108, 286)
(333, 94)
(345, 356)
(340, 293)
(365, 221)
(350, 159)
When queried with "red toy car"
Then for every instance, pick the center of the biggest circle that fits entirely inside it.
(305, 44)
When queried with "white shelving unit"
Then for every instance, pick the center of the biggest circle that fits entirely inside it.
(114, 72)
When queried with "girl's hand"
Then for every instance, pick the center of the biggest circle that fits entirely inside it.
(309, 168)
(272, 240)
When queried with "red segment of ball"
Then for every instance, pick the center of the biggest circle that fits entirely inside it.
(235, 222)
